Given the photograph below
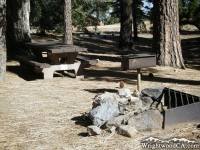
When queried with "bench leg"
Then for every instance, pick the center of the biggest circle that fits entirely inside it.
(78, 68)
(80, 71)
(48, 73)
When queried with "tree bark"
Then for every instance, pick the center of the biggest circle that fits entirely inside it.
(126, 41)
(166, 36)
(135, 20)
(2, 40)
(17, 16)
(67, 23)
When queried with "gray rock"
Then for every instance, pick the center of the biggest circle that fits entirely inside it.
(147, 121)
(147, 100)
(136, 93)
(198, 125)
(127, 130)
(123, 100)
(93, 130)
(116, 121)
(154, 92)
(106, 95)
(106, 110)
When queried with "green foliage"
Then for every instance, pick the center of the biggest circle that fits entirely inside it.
(189, 12)
(48, 14)
(140, 14)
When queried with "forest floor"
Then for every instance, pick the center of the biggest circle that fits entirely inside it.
(37, 114)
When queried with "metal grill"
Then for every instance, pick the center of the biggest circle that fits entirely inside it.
(137, 61)
(181, 107)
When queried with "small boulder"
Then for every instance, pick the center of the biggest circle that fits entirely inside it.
(136, 93)
(116, 121)
(112, 129)
(154, 92)
(93, 130)
(147, 121)
(106, 95)
(106, 110)
(127, 130)
(151, 75)
(147, 100)
(124, 93)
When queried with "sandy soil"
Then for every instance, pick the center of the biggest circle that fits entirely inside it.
(37, 114)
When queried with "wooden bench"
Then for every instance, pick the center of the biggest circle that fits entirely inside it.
(30, 60)
(87, 60)
(48, 69)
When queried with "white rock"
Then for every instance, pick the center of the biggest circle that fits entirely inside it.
(127, 130)
(100, 97)
(93, 130)
(112, 129)
(136, 93)
(104, 111)
(124, 93)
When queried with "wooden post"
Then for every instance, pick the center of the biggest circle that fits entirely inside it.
(138, 80)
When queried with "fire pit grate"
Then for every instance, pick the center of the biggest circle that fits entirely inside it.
(181, 107)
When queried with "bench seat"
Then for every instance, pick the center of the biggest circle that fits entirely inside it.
(31, 61)
(87, 59)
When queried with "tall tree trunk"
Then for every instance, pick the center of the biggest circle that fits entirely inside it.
(67, 23)
(166, 36)
(126, 25)
(2, 40)
(17, 16)
(135, 20)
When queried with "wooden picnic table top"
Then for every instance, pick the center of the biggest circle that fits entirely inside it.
(55, 47)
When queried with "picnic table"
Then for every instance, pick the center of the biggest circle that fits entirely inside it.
(56, 56)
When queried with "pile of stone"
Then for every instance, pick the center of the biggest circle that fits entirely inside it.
(127, 113)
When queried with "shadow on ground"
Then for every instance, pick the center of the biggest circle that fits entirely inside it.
(101, 90)
(28, 74)
(131, 77)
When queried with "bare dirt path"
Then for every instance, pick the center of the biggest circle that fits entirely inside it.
(37, 114)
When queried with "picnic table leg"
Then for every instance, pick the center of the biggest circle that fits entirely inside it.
(139, 80)
(48, 73)
(55, 60)
(80, 70)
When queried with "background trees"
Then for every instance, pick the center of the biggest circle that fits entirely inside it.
(49, 14)
(2, 39)
(189, 12)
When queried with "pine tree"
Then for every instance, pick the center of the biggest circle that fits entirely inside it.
(126, 41)
(17, 18)
(166, 36)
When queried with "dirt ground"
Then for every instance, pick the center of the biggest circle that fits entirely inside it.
(37, 114)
